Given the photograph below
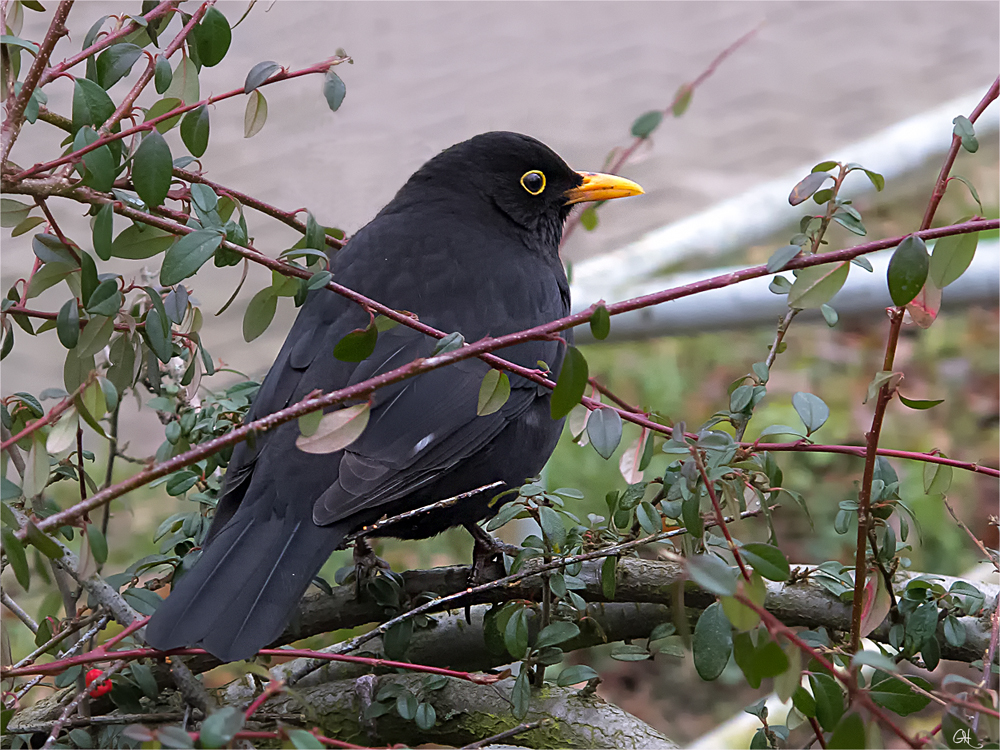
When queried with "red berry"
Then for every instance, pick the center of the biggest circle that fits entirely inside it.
(101, 688)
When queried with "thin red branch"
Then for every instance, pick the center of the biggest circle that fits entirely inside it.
(860, 451)
(106, 41)
(73, 156)
(720, 519)
(50, 416)
(15, 116)
(885, 393)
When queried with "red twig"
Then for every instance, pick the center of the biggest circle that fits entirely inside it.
(50, 416)
(886, 392)
(860, 451)
(73, 156)
(817, 731)
(719, 518)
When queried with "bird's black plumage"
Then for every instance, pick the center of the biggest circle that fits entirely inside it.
(470, 244)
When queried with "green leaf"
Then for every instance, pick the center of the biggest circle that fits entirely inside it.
(220, 727)
(807, 186)
(162, 107)
(162, 74)
(63, 433)
(337, 430)
(449, 343)
(907, 270)
(682, 99)
(213, 37)
(816, 285)
(42, 542)
(255, 114)
(937, 478)
(609, 577)
(425, 716)
(334, 90)
(575, 674)
(571, 383)
(600, 323)
(15, 41)
(159, 340)
(259, 73)
(188, 254)
(102, 232)
(13, 212)
(850, 222)
(16, 557)
(829, 315)
(552, 527)
(194, 130)
(648, 518)
(896, 695)
(68, 323)
(515, 635)
(493, 392)
(588, 219)
(711, 574)
(646, 123)
(952, 257)
(604, 428)
(259, 313)
(152, 169)
(91, 104)
(829, 700)
(520, 696)
(713, 642)
(115, 62)
(106, 299)
(849, 733)
(303, 740)
(98, 544)
(919, 404)
(184, 84)
(964, 130)
(397, 639)
(139, 241)
(812, 410)
(767, 560)
(781, 257)
(357, 345)
(557, 632)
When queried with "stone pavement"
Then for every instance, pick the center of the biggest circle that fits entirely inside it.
(816, 76)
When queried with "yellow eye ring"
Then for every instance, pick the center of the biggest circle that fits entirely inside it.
(533, 181)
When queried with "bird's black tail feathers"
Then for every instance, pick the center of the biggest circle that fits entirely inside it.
(241, 593)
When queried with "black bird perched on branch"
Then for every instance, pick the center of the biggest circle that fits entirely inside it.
(471, 244)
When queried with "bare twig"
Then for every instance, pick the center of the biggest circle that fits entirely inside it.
(21, 615)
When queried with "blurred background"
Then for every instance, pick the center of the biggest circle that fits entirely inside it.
(815, 78)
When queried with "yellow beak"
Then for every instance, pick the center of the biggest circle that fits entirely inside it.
(601, 187)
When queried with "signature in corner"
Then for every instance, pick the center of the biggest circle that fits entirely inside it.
(965, 737)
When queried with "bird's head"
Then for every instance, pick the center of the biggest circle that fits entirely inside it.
(521, 176)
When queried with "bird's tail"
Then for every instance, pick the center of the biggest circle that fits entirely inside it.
(241, 593)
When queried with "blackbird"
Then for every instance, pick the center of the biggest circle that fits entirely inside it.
(471, 244)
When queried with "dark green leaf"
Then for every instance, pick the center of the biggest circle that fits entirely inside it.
(896, 695)
(15, 41)
(767, 560)
(850, 222)
(425, 716)
(41, 541)
(646, 123)
(259, 313)
(106, 299)
(575, 674)
(713, 642)
(712, 575)
(571, 383)
(16, 557)
(138, 242)
(397, 639)
(98, 544)
(829, 700)
(68, 323)
(152, 169)
(816, 285)
(952, 257)
(161, 108)
(357, 345)
(920, 404)
(162, 75)
(103, 229)
(158, 340)
(516, 633)
(557, 632)
(115, 62)
(520, 696)
(260, 73)
(449, 343)
(188, 254)
(13, 212)
(213, 37)
(907, 270)
(91, 104)
(334, 90)
(848, 734)
(600, 323)
(194, 130)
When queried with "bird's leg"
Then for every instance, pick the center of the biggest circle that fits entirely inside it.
(366, 564)
(487, 548)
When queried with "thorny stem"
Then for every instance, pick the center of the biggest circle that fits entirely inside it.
(896, 314)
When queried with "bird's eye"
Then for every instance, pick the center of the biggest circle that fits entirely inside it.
(533, 181)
